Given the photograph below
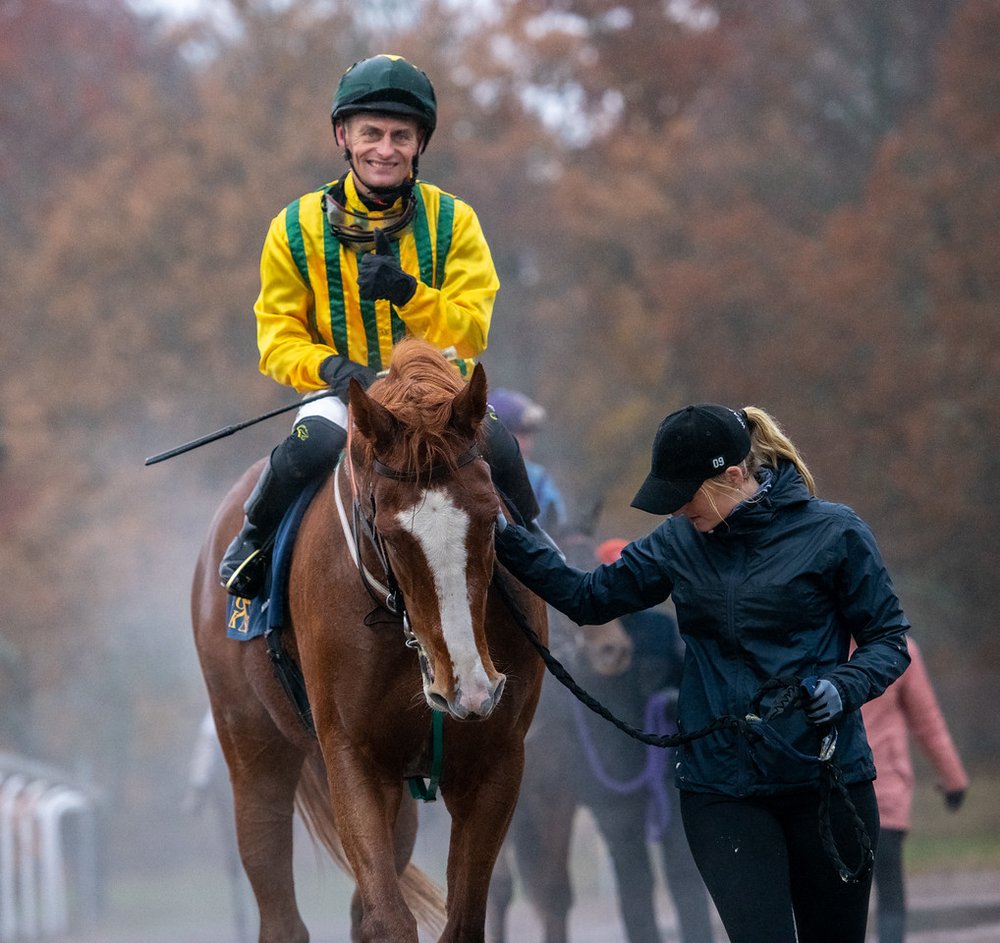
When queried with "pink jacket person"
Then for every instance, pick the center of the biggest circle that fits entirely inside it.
(909, 705)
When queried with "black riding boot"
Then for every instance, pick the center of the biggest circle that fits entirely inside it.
(244, 564)
(311, 449)
(510, 477)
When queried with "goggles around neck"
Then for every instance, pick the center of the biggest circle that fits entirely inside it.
(354, 226)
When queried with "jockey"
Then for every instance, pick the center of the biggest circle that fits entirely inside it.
(350, 269)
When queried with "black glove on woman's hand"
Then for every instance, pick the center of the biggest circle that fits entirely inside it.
(380, 276)
(336, 372)
(823, 704)
(954, 798)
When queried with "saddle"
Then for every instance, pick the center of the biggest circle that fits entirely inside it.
(267, 613)
(251, 618)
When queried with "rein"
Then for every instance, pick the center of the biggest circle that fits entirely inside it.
(753, 726)
(387, 596)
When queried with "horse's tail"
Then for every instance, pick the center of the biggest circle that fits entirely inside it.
(424, 896)
(426, 900)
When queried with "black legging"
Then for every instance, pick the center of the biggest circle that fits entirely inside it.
(767, 871)
(503, 455)
(890, 892)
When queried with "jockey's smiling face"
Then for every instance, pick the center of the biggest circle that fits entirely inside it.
(382, 148)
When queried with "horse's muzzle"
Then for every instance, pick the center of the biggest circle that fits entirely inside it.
(463, 705)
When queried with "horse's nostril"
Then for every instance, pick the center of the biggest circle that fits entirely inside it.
(498, 692)
(438, 702)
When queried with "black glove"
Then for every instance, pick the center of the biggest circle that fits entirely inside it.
(823, 704)
(336, 372)
(954, 799)
(380, 277)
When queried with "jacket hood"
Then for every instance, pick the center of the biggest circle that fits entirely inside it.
(784, 490)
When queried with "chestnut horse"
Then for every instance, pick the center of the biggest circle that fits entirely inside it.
(424, 508)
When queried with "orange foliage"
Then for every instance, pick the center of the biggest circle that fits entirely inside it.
(796, 211)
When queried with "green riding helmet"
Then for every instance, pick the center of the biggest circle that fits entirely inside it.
(388, 84)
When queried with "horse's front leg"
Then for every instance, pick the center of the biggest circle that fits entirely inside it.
(481, 808)
(366, 809)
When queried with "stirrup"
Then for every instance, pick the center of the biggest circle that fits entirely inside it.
(248, 578)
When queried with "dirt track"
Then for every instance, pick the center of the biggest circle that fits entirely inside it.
(198, 907)
(950, 908)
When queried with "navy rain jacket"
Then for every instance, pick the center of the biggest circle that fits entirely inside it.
(777, 590)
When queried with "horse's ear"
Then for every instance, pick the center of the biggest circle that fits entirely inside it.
(469, 406)
(374, 421)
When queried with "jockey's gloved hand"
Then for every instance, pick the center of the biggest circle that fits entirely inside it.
(380, 275)
(823, 704)
(501, 522)
(336, 372)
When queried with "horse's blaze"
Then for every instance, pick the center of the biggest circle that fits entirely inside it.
(467, 687)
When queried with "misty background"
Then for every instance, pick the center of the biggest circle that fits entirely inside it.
(792, 205)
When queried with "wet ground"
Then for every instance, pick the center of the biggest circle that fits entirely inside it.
(198, 904)
(945, 908)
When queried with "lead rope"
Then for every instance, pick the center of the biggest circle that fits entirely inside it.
(751, 726)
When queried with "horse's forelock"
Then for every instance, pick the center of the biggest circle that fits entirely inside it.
(419, 390)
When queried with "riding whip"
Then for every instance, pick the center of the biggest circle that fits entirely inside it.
(448, 353)
(236, 427)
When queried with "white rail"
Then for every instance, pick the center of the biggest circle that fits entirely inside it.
(48, 875)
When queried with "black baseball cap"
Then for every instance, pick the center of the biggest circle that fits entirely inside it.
(691, 445)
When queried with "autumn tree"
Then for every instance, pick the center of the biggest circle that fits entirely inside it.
(788, 204)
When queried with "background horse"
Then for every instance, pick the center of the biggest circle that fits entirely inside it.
(419, 490)
(576, 758)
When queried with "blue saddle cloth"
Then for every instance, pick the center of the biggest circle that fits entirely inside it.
(250, 618)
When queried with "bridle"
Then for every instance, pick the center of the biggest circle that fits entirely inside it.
(357, 528)
(360, 527)
(433, 473)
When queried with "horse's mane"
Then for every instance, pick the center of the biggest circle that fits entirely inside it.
(418, 390)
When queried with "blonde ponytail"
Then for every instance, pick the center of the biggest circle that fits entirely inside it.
(768, 444)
